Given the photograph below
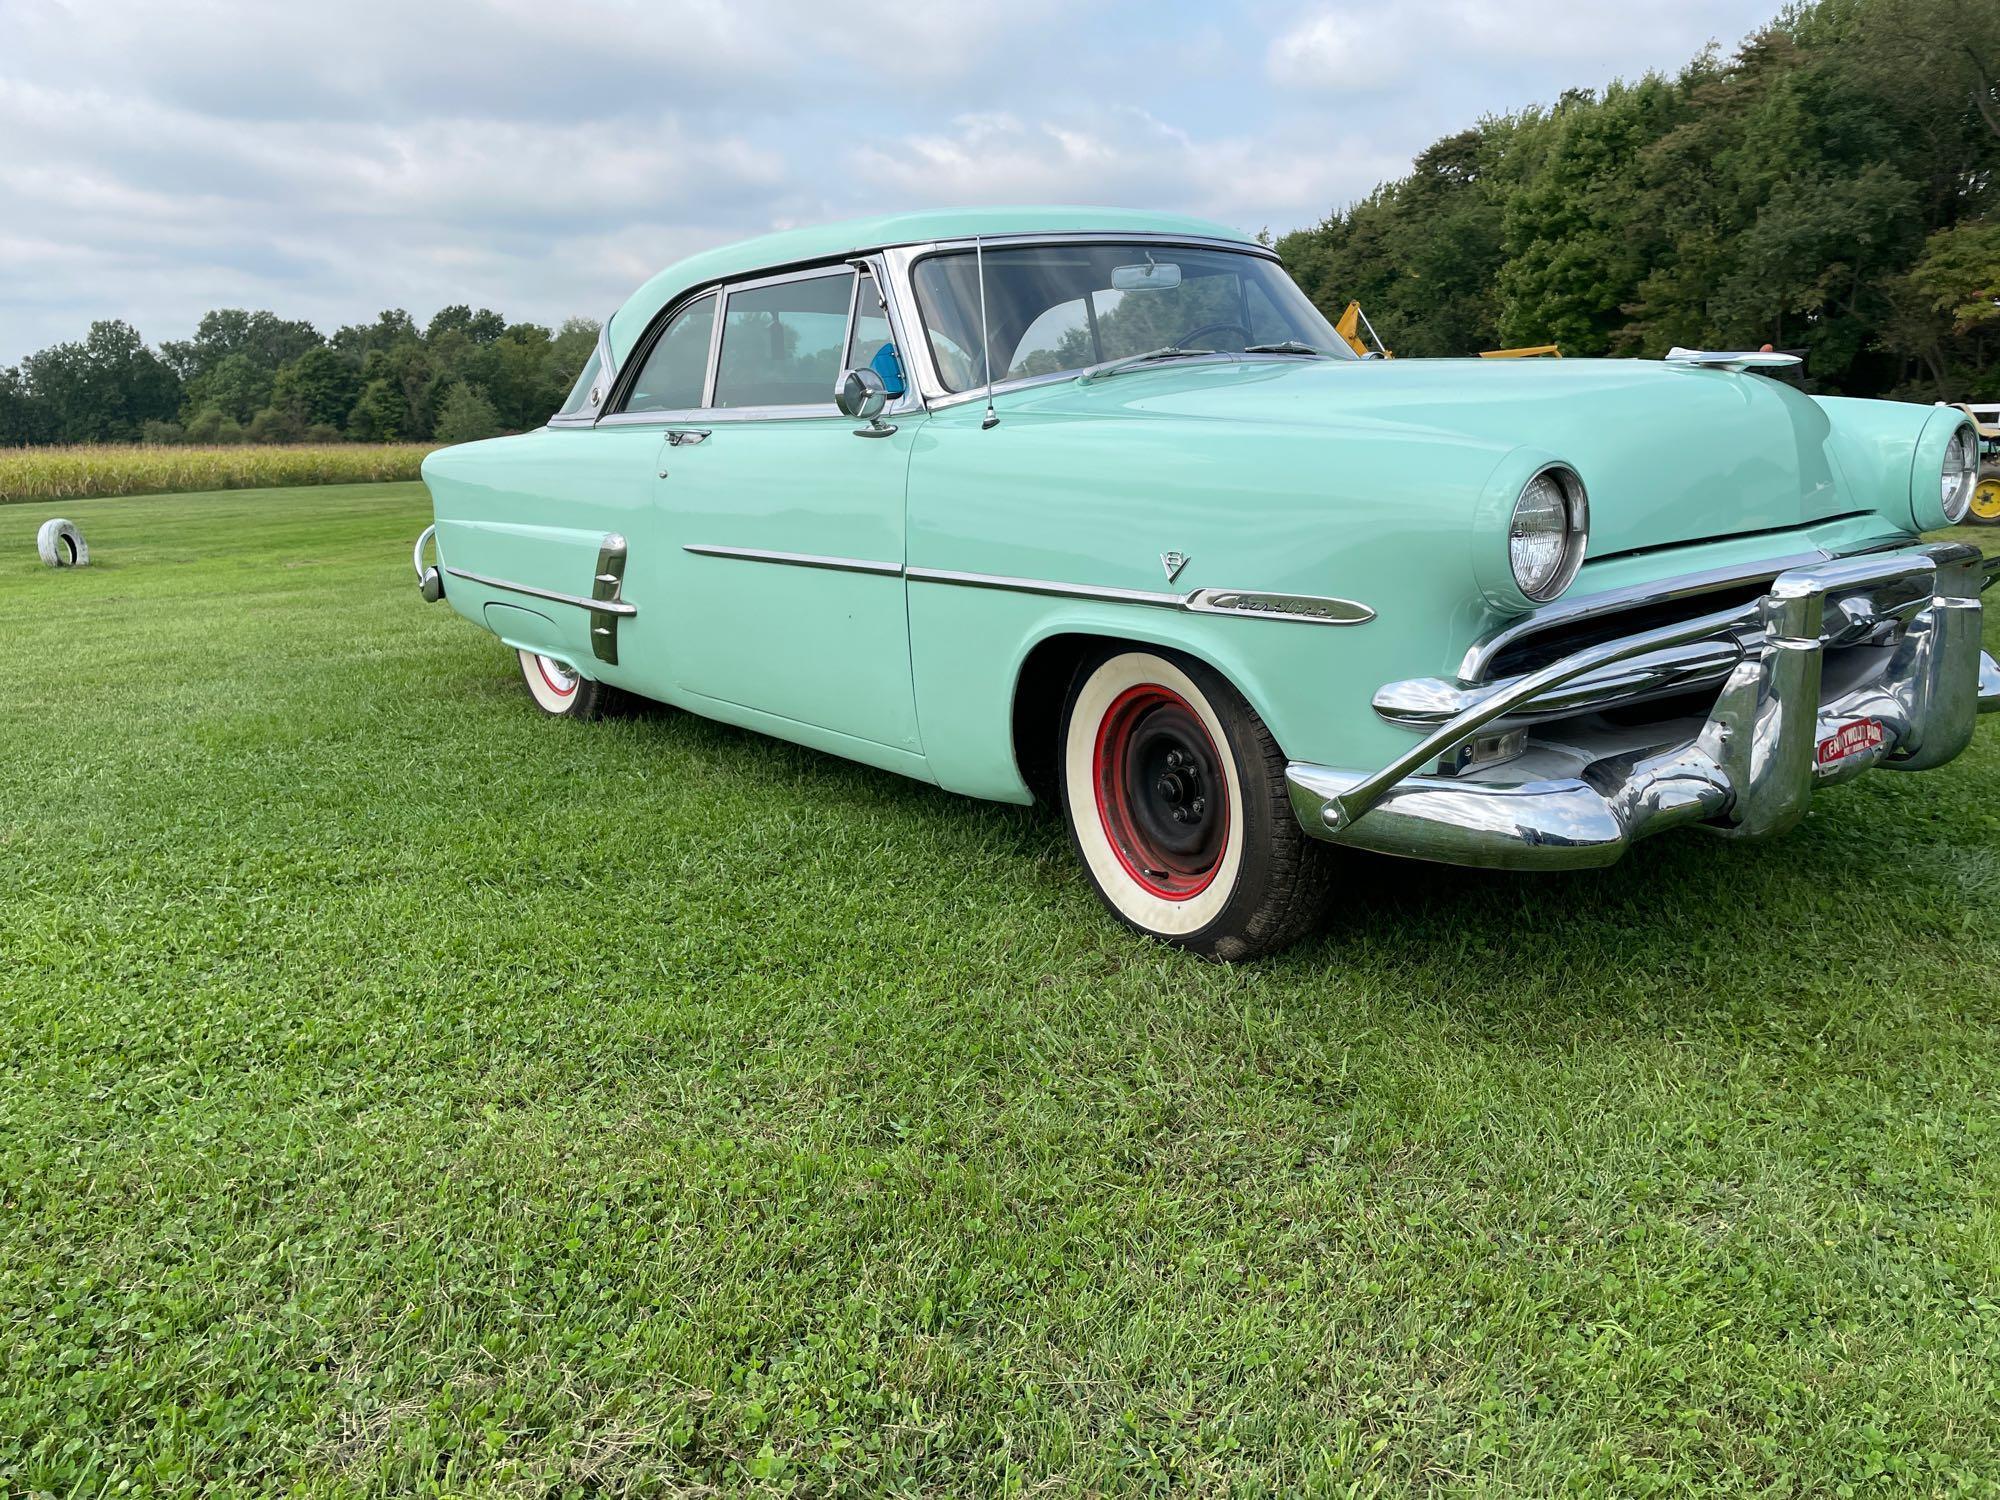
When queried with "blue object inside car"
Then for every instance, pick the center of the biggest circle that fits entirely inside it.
(890, 368)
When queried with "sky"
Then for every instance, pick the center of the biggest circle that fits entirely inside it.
(330, 159)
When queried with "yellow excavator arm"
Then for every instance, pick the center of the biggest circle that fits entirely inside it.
(1349, 326)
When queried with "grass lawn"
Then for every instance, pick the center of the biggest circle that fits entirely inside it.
(404, 1092)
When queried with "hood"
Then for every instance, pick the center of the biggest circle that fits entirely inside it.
(1669, 454)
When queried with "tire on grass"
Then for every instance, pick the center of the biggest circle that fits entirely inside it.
(61, 544)
(1174, 792)
(564, 693)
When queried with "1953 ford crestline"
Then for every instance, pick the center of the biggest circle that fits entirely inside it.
(1095, 506)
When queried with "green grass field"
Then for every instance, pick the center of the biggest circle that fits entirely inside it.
(407, 1093)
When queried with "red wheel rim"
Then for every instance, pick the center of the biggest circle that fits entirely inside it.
(556, 685)
(1162, 792)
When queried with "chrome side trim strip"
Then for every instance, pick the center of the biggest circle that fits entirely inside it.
(798, 559)
(601, 606)
(1308, 609)
(1044, 586)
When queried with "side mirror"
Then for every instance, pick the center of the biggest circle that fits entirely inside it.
(862, 394)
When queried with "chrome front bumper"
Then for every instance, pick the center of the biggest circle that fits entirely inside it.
(1748, 769)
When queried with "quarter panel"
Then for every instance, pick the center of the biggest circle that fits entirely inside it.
(535, 509)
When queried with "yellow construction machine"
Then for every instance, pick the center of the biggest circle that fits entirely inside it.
(1985, 509)
(1351, 324)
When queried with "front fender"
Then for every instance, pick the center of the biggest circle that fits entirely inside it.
(1088, 502)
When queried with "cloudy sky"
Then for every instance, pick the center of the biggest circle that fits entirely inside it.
(329, 159)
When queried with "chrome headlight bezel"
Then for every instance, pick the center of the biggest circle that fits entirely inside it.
(1958, 474)
(1576, 533)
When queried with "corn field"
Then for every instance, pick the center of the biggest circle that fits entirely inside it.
(74, 473)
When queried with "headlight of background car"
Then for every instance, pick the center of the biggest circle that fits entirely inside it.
(1961, 473)
(1546, 537)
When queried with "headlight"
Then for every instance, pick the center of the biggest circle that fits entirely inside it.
(1961, 473)
(1546, 537)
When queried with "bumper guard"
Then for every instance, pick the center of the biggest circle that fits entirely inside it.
(1751, 768)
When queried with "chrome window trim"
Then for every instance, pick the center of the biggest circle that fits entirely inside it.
(601, 606)
(891, 264)
(643, 350)
(1253, 604)
(910, 401)
(715, 345)
(608, 372)
(903, 259)
(732, 289)
(643, 346)
(717, 416)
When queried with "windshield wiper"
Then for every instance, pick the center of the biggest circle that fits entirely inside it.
(1172, 351)
(1284, 346)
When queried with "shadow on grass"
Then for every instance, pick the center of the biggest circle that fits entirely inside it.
(1685, 887)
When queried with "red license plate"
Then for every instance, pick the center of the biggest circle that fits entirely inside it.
(1850, 739)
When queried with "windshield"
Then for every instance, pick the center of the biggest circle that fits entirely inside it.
(1057, 308)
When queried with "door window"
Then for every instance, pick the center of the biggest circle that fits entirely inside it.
(676, 371)
(782, 344)
(585, 383)
(872, 345)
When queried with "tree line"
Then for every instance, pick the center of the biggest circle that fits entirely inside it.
(255, 377)
(1830, 188)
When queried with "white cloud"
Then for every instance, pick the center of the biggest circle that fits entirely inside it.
(1356, 48)
(161, 157)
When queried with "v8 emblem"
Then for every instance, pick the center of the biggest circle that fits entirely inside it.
(1173, 562)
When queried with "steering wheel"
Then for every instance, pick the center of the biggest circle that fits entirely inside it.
(1208, 328)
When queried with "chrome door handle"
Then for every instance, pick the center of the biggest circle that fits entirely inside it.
(686, 437)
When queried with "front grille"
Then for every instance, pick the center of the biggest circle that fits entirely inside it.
(1537, 648)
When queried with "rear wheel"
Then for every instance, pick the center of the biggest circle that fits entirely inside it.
(561, 690)
(1175, 796)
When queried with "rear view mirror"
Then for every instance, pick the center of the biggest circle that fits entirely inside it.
(1153, 276)
(862, 393)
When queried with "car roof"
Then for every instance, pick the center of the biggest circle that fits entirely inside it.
(855, 236)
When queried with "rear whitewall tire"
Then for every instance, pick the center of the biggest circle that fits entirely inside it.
(1260, 884)
(560, 690)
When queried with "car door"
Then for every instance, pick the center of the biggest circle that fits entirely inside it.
(785, 523)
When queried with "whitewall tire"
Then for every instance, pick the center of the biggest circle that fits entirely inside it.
(1175, 797)
(560, 689)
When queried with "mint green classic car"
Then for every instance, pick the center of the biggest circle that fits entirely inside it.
(1095, 506)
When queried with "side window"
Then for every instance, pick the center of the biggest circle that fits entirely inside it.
(676, 371)
(580, 392)
(872, 344)
(782, 344)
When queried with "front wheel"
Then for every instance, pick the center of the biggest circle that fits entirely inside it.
(1175, 796)
(563, 691)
